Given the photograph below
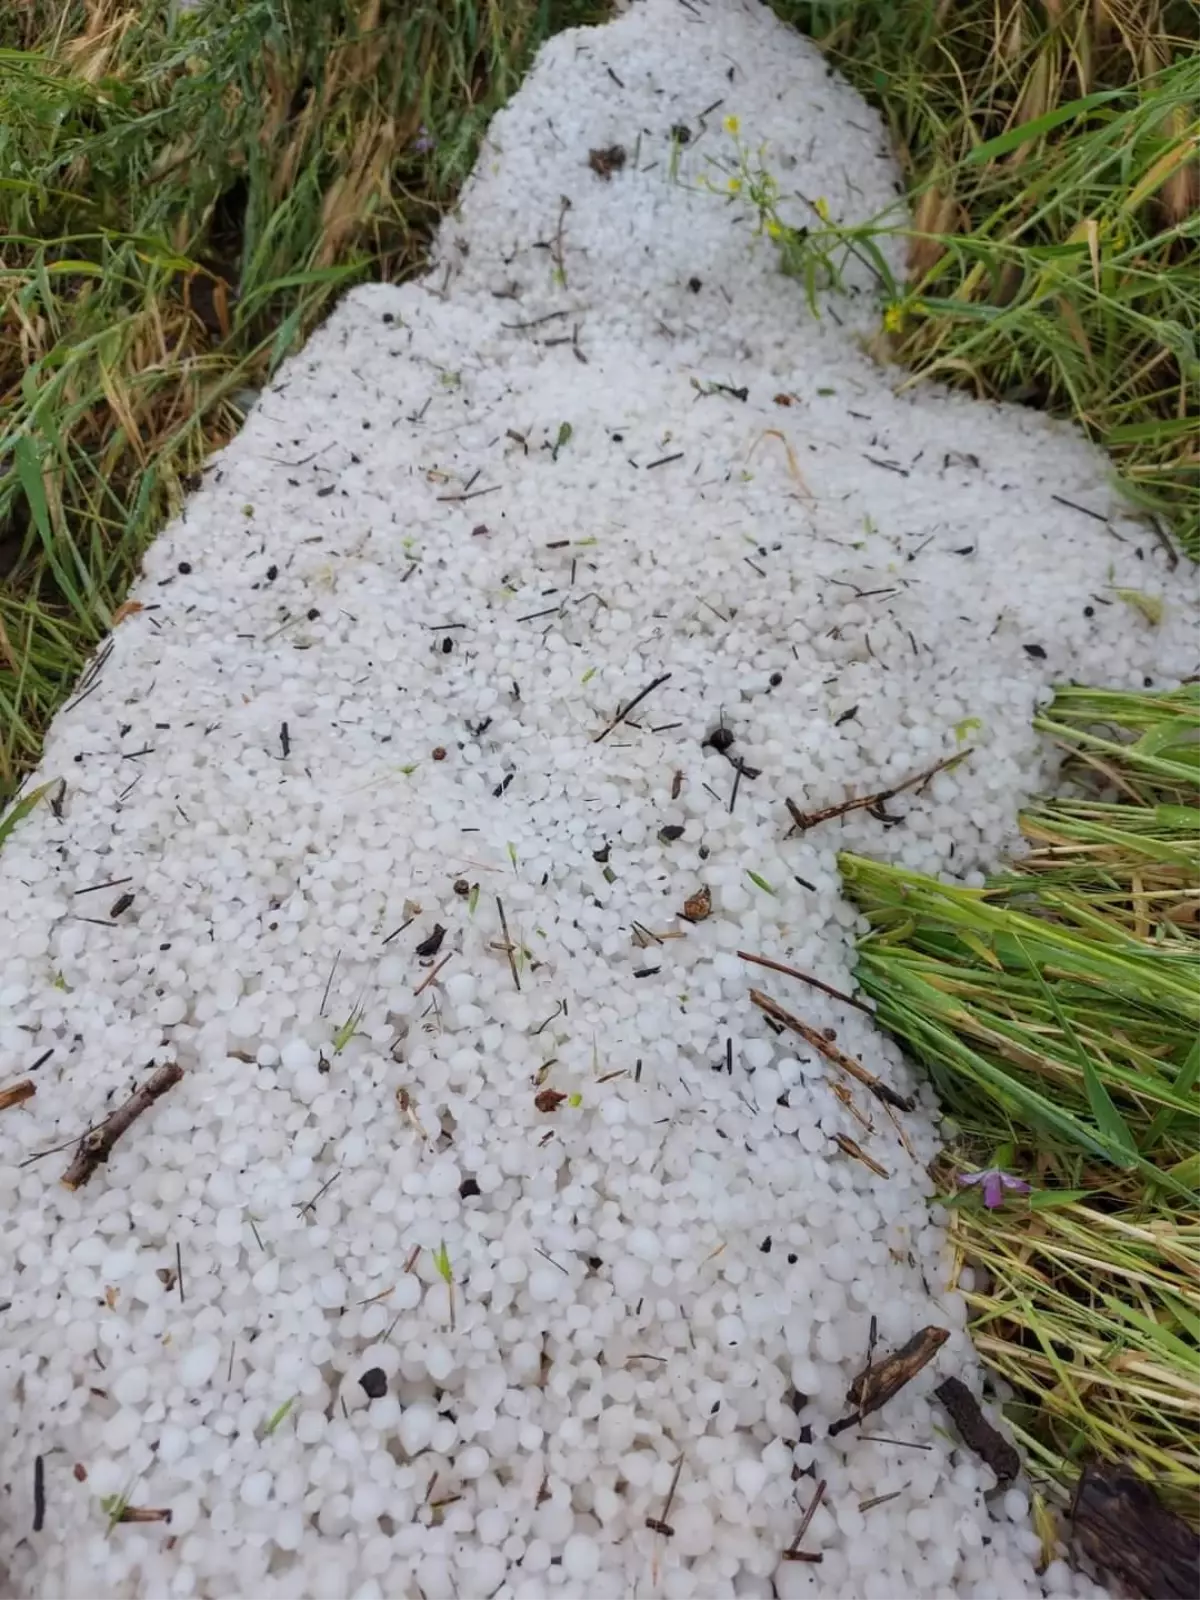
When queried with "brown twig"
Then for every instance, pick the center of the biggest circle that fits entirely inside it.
(850, 1147)
(660, 1524)
(96, 1146)
(806, 977)
(793, 1551)
(17, 1094)
(508, 945)
(832, 1054)
(449, 956)
(803, 820)
(144, 1514)
(636, 701)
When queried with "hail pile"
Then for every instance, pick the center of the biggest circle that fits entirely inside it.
(491, 1242)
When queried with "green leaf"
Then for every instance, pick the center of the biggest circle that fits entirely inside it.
(1014, 138)
(1185, 1082)
(441, 1260)
(21, 810)
(1108, 1119)
(1150, 605)
(1053, 1199)
(277, 1417)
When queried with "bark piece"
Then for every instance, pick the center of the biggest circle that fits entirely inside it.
(1120, 1523)
(976, 1432)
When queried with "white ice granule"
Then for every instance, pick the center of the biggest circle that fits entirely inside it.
(405, 552)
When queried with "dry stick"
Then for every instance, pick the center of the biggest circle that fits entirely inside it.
(421, 988)
(850, 1148)
(96, 1146)
(636, 701)
(25, 1090)
(793, 1551)
(806, 977)
(660, 1524)
(508, 945)
(838, 1058)
(803, 820)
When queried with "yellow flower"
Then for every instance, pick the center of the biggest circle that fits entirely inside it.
(774, 229)
(893, 318)
(821, 207)
(731, 125)
(735, 186)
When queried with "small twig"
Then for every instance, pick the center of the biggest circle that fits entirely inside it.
(805, 977)
(421, 988)
(905, 1444)
(308, 1204)
(659, 1524)
(144, 1514)
(556, 249)
(792, 1553)
(803, 820)
(848, 1147)
(328, 983)
(472, 494)
(879, 1500)
(109, 883)
(96, 1146)
(838, 1058)
(508, 945)
(636, 701)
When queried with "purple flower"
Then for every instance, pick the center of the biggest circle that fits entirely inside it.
(424, 142)
(994, 1183)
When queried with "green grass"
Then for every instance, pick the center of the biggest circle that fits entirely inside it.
(1051, 152)
(183, 197)
(1057, 1010)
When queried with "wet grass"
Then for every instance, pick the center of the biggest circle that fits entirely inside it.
(1058, 1013)
(1052, 154)
(185, 194)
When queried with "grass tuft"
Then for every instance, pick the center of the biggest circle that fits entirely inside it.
(1053, 160)
(1058, 1012)
(185, 194)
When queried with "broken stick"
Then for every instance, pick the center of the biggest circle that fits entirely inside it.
(803, 820)
(17, 1093)
(96, 1146)
(838, 1058)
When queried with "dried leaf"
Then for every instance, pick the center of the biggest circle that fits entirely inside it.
(697, 907)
